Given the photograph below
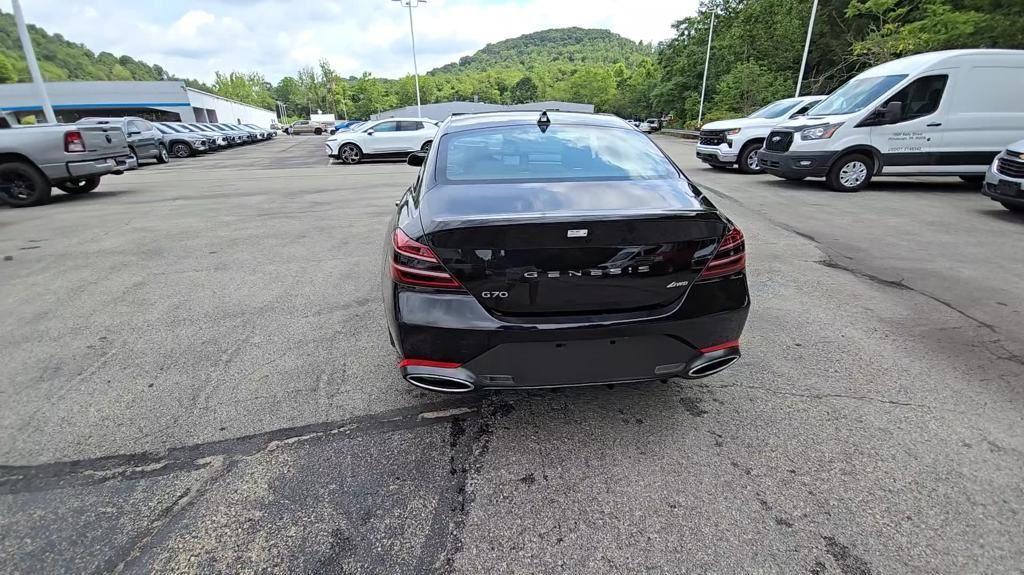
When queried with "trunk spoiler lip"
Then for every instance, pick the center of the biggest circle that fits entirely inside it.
(483, 220)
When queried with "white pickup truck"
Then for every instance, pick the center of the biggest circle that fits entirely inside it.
(35, 158)
(728, 142)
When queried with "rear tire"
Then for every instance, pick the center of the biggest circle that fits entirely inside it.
(1015, 208)
(426, 146)
(851, 173)
(79, 186)
(350, 154)
(161, 155)
(22, 185)
(318, 131)
(747, 160)
(182, 150)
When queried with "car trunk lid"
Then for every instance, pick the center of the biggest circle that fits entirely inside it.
(103, 139)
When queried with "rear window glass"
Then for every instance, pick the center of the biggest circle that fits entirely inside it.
(562, 153)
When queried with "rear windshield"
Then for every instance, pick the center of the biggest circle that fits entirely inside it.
(562, 153)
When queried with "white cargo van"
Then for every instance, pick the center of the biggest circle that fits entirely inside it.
(937, 114)
(727, 142)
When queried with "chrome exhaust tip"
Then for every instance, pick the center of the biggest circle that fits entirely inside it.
(711, 367)
(440, 383)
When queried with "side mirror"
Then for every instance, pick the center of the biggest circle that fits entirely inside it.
(416, 158)
(134, 132)
(369, 132)
(891, 112)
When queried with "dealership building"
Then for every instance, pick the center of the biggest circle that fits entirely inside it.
(165, 101)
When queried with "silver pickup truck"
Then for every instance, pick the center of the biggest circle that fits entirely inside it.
(34, 159)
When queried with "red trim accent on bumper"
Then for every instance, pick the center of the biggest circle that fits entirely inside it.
(427, 363)
(721, 346)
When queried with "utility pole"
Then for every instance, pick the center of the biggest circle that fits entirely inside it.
(707, 60)
(410, 4)
(807, 47)
(33, 65)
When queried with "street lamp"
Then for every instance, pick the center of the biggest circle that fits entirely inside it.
(807, 47)
(410, 4)
(33, 64)
(707, 60)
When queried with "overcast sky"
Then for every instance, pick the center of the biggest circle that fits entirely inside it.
(194, 38)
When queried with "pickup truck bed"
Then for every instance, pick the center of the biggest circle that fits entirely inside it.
(33, 159)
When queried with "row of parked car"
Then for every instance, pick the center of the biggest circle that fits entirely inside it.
(73, 157)
(950, 113)
(161, 140)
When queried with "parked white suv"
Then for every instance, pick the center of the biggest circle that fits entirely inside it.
(737, 141)
(393, 137)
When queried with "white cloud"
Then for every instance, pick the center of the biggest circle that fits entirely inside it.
(194, 38)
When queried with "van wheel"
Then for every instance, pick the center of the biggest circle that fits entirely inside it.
(161, 155)
(80, 186)
(850, 173)
(22, 185)
(318, 131)
(747, 161)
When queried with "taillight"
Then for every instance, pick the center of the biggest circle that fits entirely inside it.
(731, 256)
(73, 142)
(415, 264)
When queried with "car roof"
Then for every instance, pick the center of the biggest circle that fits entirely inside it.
(510, 118)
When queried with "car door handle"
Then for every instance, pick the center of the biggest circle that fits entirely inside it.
(933, 125)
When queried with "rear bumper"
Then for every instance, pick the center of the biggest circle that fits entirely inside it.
(95, 167)
(451, 335)
(796, 164)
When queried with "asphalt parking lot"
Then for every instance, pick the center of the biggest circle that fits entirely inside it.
(197, 379)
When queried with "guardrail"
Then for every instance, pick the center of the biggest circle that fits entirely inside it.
(688, 134)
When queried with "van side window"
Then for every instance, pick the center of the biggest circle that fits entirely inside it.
(920, 97)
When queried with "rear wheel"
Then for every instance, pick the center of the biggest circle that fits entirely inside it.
(80, 186)
(318, 131)
(426, 146)
(747, 161)
(850, 173)
(350, 154)
(22, 185)
(182, 150)
(1015, 208)
(161, 156)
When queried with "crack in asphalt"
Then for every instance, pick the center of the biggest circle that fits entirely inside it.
(469, 441)
(831, 255)
(200, 456)
(833, 396)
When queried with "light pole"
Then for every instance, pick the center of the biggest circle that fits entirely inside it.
(807, 47)
(707, 60)
(410, 4)
(33, 65)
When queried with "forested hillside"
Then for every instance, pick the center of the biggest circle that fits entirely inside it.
(60, 59)
(592, 66)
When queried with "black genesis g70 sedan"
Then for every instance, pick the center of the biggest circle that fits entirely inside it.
(541, 249)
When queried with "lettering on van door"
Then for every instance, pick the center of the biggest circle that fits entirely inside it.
(908, 141)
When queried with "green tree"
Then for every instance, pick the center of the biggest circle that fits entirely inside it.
(7, 73)
(250, 88)
(370, 96)
(524, 90)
